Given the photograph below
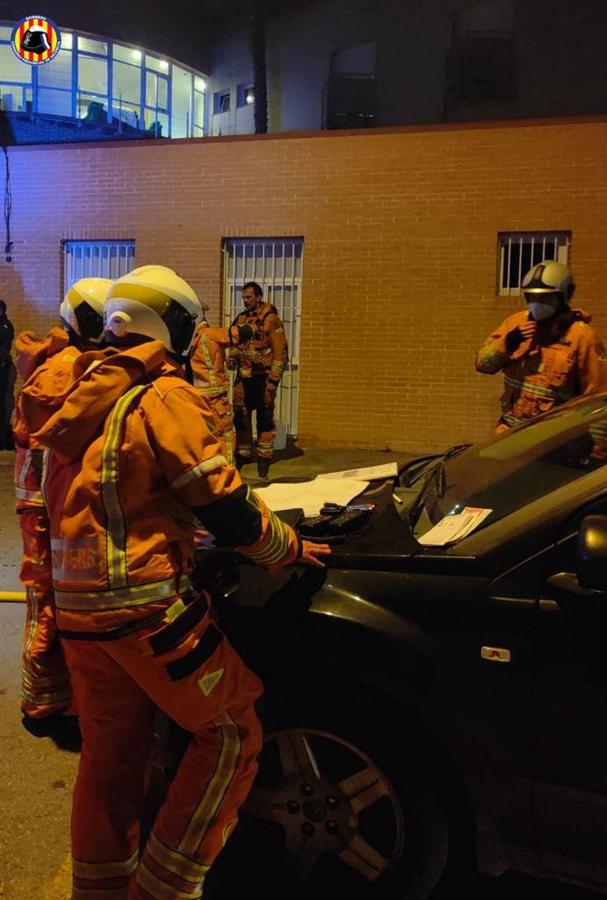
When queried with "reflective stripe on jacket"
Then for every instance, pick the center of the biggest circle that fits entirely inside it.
(134, 467)
(46, 365)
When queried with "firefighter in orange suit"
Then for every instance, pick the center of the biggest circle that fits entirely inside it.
(46, 366)
(134, 466)
(548, 352)
(211, 378)
(261, 362)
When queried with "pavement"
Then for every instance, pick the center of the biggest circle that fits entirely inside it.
(36, 777)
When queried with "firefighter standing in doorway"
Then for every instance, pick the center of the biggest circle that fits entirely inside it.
(134, 467)
(46, 366)
(210, 375)
(547, 352)
(261, 362)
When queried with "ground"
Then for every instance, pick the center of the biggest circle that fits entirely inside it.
(37, 777)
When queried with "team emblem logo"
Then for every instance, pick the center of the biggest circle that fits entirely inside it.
(36, 40)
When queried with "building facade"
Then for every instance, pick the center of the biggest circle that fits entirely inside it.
(396, 251)
(107, 84)
(367, 63)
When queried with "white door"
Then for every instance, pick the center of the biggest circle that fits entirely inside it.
(275, 264)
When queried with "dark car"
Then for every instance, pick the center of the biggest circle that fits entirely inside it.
(429, 708)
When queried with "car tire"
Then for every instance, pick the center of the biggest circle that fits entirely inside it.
(399, 751)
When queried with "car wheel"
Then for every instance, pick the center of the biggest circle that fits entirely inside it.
(340, 811)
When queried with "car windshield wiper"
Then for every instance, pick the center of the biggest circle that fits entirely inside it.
(425, 461)
(435, 475)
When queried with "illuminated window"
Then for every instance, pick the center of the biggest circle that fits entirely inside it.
(92, 75)
(518, 251)
(221, 102)
(157, 65)
(245, 95)
(87, 45)
(126, 83)
(181, 112)
(67, 40)
(156, 91)
(127, 54)
(97, 259)
(198, 114)
(13, 69)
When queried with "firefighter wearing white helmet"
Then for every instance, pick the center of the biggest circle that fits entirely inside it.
(46, 365)
(153, 302)
(135, 464)
(81, 311)
(548, 352)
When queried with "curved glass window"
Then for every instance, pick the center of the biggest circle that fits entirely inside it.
(101, 81)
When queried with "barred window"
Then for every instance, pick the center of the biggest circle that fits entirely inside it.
(518, 251)
(97, 259)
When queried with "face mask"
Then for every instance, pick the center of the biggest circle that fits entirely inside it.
(541, 311)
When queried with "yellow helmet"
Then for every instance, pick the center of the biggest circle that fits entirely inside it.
(547, 277)
(154, 302)
(82, 308)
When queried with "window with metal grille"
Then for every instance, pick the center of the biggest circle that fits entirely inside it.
(97, 259)
(518, 251)
(275, 264)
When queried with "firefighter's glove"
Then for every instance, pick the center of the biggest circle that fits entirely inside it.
(514, 339)
(270, 394)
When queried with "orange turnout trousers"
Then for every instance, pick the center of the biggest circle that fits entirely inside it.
(210, 693)
(133, 468)
(46, 366)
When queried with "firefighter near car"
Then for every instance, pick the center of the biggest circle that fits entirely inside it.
(548, 352)
(134, 466)
(261, 361)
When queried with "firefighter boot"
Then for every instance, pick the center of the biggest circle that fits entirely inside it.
(263, 467)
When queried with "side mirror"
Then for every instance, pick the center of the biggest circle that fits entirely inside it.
(591, 555)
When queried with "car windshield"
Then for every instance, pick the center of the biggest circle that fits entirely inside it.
(518, 467)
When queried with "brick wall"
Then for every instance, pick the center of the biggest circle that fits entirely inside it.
(400, 228)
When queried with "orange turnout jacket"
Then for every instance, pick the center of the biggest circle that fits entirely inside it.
(267, 352)
(46, 365)
(134, 467)
(564, 359)
(209, 360)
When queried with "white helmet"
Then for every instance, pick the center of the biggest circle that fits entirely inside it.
(82, 308)
(154, 302)
(547, 277)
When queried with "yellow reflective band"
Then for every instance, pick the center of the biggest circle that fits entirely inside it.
(136, 595)
(94, 871)
(161, 890)
(208, 682)
(207, 465)
(175, 610)
(45, 461)
(116, 523)
(48, 681)
(175, 862)
(32, 496)
(208, 360)
(217, 787)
